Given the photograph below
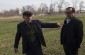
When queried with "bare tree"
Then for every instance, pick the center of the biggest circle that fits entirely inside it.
(39, 10)
(60, 4)
(23, 9)
(75, 3)
(81, 6)
(17, 11)
(66, 4)
(11, 12)
(31, 8)
(52, 8)
(43, 9)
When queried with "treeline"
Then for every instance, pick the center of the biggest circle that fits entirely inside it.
(12, 12)
(43, 9)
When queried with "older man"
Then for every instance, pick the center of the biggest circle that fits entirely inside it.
(32, 36)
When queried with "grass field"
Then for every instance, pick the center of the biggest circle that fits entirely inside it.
(52, 36)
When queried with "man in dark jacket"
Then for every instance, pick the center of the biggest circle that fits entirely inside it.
(32, 36)
(71, 33)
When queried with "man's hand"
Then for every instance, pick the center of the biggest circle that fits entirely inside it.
(59, 25)
(15, 50)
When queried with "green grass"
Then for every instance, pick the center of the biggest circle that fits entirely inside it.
(52, 36)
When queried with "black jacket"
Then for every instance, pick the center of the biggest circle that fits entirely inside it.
(72, 33)
(38, 31)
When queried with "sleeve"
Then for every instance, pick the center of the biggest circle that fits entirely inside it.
(17, 37)
(79, 32)
(48, 25)
(61, 35)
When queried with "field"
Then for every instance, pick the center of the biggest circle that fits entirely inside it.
(52, 36)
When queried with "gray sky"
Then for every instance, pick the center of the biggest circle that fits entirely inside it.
(12, 4)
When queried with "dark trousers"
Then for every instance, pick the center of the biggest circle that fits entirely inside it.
(34, 51)
(70, 50)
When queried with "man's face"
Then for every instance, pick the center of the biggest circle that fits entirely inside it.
(27, 18)
(69, 13)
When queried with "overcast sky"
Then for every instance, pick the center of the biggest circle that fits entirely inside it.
(12, 4)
